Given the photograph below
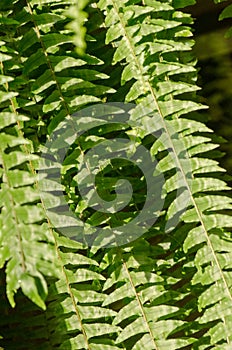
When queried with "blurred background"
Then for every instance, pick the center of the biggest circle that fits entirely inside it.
(214, 53)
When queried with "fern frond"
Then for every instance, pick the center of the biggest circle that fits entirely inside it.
(52, 82)
(77, 317)
(149, 49)
(147, 296)
(65, 84)
(22, 219)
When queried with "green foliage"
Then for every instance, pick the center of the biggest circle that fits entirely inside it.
(226, 13)
(170, 288)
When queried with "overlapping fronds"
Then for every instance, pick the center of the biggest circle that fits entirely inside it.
(38, 75)
(169, 284)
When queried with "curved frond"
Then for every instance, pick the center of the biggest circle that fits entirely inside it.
(149, 49)
(162, 285)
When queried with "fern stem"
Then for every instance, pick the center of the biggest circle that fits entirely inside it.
(138, 301)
